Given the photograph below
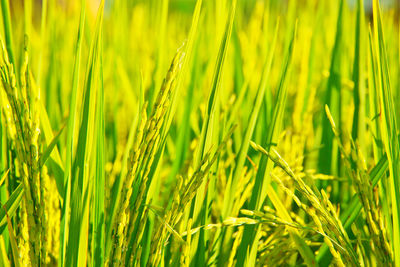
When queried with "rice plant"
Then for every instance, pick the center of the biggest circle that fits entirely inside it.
(199, 133)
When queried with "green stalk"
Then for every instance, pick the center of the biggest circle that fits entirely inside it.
(389, 128)
(98, 239)
(358, 130)
(247, 252)
(329, 159)
(5, 8)
(209, 133)
(64, 231)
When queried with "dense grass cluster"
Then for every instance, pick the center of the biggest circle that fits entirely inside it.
(199, 133)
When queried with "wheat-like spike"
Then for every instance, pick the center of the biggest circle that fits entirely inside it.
(26, 121)
(179, 204)
(185, 257)
(235, 246)
(142, 156)
(23, 239)
(44, 202)
(327, 219)
(122, 214)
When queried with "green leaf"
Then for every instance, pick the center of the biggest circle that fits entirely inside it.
(358, 130)
(57, 166)
(2, 179)
(241, 157)
(98, 237)
(248, 247)
(76, 253)
(64, 226)
(11, 206)
(5, 8)
(49, 149)
(389, 128)
(13, 240)
(209, 135)
(328, 162)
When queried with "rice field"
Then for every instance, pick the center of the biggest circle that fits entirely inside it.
(199, 133)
